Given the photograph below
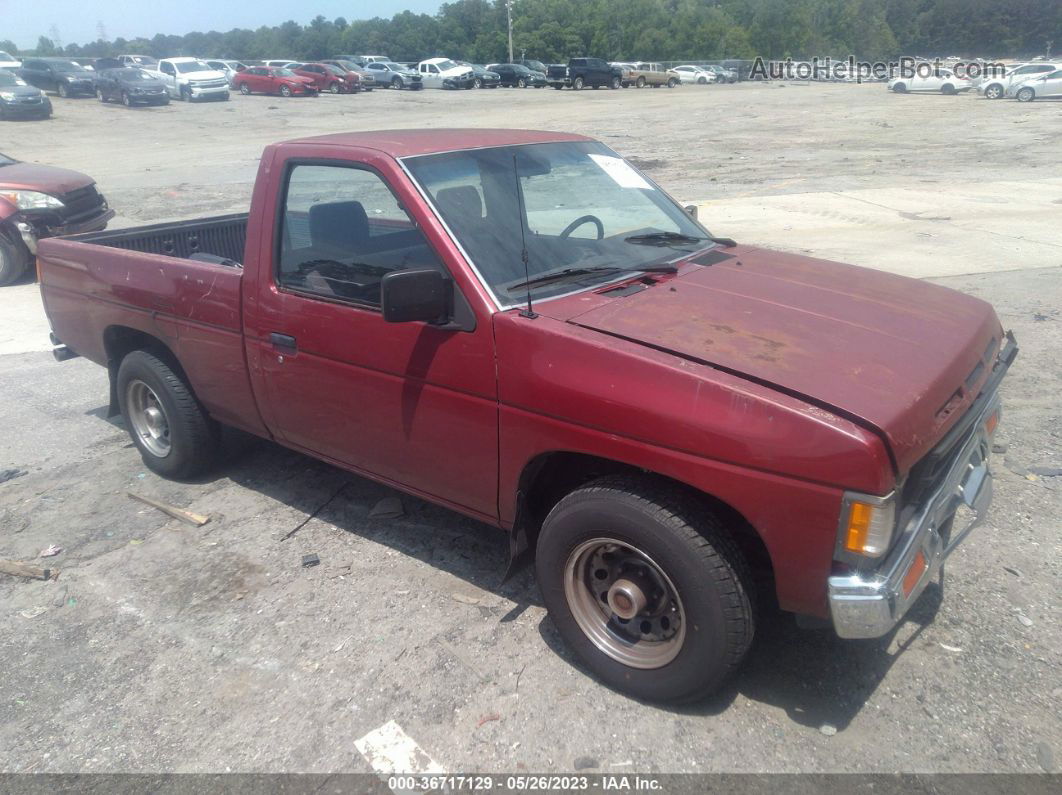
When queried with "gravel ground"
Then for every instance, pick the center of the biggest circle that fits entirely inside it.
(164, 647)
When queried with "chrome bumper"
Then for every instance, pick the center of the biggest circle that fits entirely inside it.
(870, 604)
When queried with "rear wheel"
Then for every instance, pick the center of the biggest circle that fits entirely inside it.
(646, 586)
(948, 89)
(14, 261)
(1026, 95)
(173, 433)
(900, 88)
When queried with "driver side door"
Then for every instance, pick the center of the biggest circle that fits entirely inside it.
(408, 403)
(168, 75)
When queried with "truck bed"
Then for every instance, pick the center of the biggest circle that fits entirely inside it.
(222, 236)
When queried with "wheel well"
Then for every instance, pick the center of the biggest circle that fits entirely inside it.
(119, 342)
(551, 476)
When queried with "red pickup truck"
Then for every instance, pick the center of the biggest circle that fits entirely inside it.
(524, 328)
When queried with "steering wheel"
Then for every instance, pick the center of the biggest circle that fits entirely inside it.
(584, 219)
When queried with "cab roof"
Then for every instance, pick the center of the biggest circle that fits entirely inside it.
(406, 143)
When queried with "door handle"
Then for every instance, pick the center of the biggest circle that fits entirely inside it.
(283, 342)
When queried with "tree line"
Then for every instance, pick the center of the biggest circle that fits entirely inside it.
(662, 30)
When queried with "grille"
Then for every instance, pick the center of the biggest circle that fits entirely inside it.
(82, 203)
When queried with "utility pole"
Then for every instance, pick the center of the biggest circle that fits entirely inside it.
(509, 14)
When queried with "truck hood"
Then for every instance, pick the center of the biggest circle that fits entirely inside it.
(46, 179)
(900, 356)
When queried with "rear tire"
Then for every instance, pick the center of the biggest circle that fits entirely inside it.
(900, 88)
(173, 433)
(14, 261)
(681, 557)
(948, 89)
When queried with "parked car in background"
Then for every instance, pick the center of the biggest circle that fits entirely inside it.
(20, 100)
(9, 61)
(943, 81)
(532, 64)
(997, 87)
(273, 80)
(229, 68)
(329, 78)
(585, 72)
(61, 75)
(1048, 86)
(143, 61)
(389, 73)
(722, 74)
(366, 79)
(283, 63)
(640, 74)
(514, 75)
(42, 201)
(690, 74)
(444, 73)
(131, 86)
(482, 77)
(190, 79)
(681, 424)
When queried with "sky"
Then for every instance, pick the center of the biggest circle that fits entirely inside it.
(78, 20)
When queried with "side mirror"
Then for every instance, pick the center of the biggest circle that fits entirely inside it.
(423, 295)
(691, 211)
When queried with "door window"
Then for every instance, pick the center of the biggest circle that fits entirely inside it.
(167, 68)
(343, 231)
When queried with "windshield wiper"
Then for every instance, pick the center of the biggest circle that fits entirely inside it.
(573, 273)
(675, 238)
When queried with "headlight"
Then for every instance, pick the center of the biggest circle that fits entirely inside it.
(8, 95)
(867, 524)
(31, 200)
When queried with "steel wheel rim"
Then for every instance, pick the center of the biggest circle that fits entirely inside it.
(652, 638)
(148, 418)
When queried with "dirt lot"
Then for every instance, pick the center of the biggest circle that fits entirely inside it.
(167, 647)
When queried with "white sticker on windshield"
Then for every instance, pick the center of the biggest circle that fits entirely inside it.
(622, 174)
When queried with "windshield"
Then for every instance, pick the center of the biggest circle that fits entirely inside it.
(446, 65)
(583, 208)
(67, 66)
(394, 67)
(334, 69)
(283, 73)
(4, 56)
(184, 67)
(8, 79)
(135, 75)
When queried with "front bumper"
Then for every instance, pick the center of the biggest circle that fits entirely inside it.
(27, 110)
(205, 92)
(870, 604)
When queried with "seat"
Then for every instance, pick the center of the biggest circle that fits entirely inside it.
(460, 205)
(341, 227)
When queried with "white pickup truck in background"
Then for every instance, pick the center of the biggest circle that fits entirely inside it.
(189, 79)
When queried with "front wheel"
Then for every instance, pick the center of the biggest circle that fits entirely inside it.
(99, 95)
(645, 584)
(396, 83)
(186, 94)
(994, 91)
(577, 84)
(521, 83)
(640, 83)
(477, 83)
(63, 91)
(900, 88)
(285, 91)
(14, 261)
(245, 89)
(948, 89)
(1026, 95)
(672, 83)
(615, 83)
(126, 100)
(334, 88)
(173, 433)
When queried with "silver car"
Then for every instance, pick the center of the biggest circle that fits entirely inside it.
(389, 73)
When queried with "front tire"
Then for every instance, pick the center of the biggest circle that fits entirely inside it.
(245, 89)
(672, 83)
(334, 88)
(900, 88)
(14, 261)
(396, 83)
(62, 90)
(173, 433)
(1025, 95)
(285, 91)
(635, 547)
(640, 83)
(126, 100)
(577, 84)
(100, 96)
